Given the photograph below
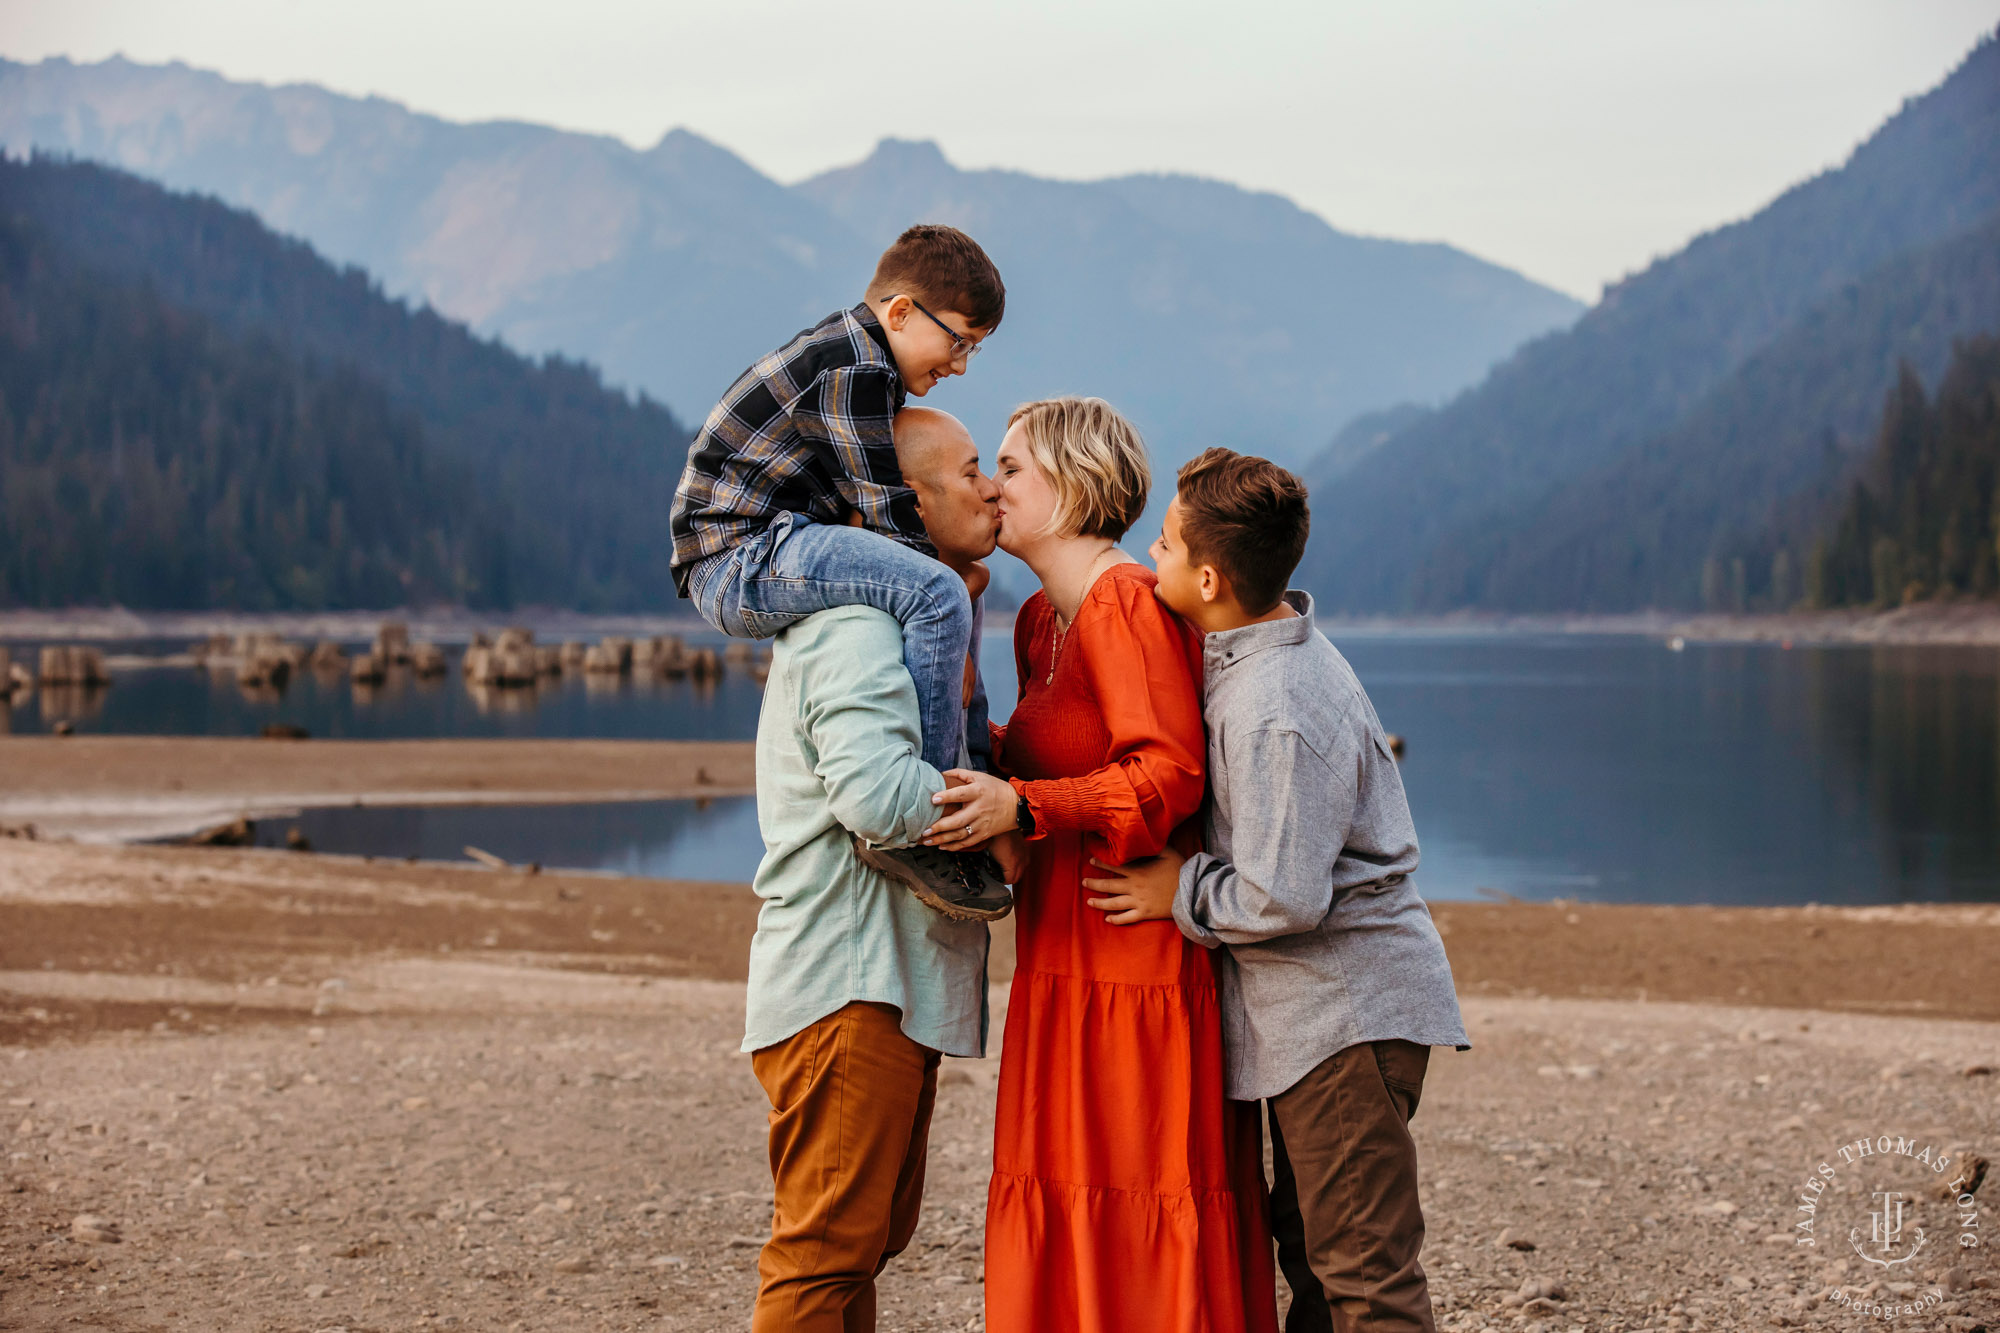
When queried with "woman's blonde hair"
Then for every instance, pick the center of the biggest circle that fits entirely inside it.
(1094, 459)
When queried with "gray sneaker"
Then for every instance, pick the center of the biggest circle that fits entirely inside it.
(965, 886)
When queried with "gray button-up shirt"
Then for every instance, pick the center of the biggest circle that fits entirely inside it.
(1307, 876)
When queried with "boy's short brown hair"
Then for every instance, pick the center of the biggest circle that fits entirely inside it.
(1248, 518)
(942, 269)
(1095, 462)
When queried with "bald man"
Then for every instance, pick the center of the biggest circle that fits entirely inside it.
(857, 988)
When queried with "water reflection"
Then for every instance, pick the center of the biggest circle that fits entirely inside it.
(1917, 754)
(700, 840)
(397, 701)
(1616, 770)
(1538, 766)
(72, 703)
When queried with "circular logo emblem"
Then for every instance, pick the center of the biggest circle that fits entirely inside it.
(1902, 1207)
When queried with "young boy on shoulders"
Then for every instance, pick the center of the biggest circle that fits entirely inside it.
(1334, 982)
(792, 503)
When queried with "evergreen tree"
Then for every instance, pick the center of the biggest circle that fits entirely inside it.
(196, 412)
(1925, 519)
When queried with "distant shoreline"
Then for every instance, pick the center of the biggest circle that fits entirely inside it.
(1965, 623)
(434, 624)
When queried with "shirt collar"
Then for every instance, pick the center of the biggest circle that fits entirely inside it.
(872, 326)
(1225, 649)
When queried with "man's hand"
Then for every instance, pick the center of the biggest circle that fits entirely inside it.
(1139, 890)
(1010, 849)
(986, 807)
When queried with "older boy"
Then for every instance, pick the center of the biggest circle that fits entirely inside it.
(802, 444)
(855, 988)
(1334, 983)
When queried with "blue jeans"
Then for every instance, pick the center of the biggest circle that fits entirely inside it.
(796, 567)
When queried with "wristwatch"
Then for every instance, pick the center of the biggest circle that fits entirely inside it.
(1024, 818)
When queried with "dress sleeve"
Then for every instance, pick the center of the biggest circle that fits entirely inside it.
(1135, 662)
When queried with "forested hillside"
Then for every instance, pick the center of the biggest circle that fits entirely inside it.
(200, 412)
(1474, 504)
(1750, 470)
(1359, 438)
(151, 460)
(1924, 519)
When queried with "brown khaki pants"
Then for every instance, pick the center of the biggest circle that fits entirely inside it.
(851, 1101)
(1344, 1206)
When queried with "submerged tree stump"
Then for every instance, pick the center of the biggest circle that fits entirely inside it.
(68, 665)
(392, 642)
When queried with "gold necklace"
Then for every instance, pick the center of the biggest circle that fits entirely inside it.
(1097, 567)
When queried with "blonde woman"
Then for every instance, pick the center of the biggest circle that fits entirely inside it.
(1127, 1192)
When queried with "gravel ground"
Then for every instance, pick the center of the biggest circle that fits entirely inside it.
(312, 1093)
(504, 1147)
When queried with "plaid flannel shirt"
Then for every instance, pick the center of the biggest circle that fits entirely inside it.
(806, 429)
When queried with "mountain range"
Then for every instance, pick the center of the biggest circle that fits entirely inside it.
(197, 412)
(1210, 314)
(1687, 441)
(1704, 409)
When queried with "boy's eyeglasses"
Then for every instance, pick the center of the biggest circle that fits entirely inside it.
(960, 344)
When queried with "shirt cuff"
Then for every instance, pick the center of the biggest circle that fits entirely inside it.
(1056, 805)
(1184, 901)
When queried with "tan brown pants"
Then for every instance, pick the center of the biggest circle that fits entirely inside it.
(1344, 1206)
(851, 1101)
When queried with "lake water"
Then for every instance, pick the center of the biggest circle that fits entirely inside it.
(709, 840)
(1597, 768)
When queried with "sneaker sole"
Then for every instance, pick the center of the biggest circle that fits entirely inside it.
(896, 870)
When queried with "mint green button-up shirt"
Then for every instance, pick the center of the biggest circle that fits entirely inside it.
(839, 752)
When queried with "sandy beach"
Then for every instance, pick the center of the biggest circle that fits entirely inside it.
(315, 1093)
(123, 788)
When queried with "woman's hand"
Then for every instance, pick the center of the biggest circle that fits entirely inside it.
(986, 807)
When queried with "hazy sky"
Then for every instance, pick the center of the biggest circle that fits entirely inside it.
(1572, 139)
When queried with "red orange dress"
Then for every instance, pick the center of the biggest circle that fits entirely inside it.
(1127, 1192)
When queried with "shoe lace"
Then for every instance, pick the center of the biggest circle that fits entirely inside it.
(961, 865)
